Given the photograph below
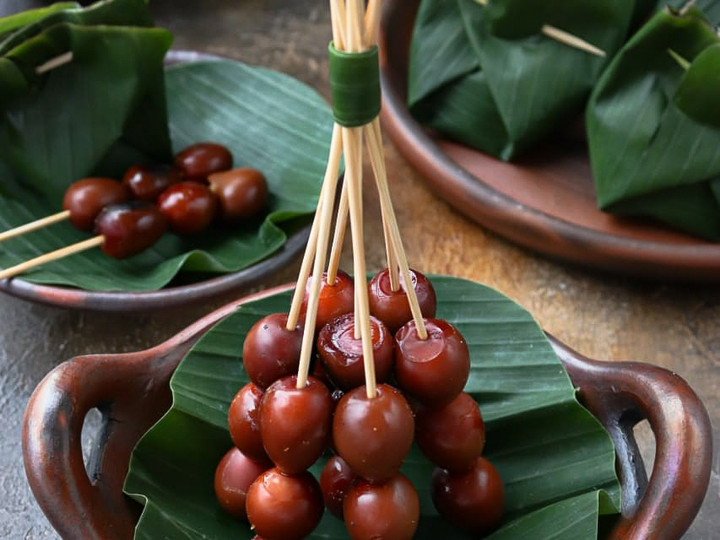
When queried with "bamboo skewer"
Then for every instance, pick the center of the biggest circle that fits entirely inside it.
(325, 211)
(303, 275)
(379, 170)
(354, 30)
(318, 252)
(384, 192)
(566, 38)
(571, 40)
(52, 256)
(353, 158)
(338, 28)
(352, 138)
(338, 7)
(34, 225)
(339, 237)
(682, 62)
(53, 63)
(372, 25)
(362, 320)
(332, 168)
(372, 22)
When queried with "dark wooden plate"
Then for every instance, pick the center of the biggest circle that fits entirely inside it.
(546, 202)
(204, 288)
(132, 392)
(165, 298)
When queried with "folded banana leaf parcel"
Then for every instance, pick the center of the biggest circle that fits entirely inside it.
(51, 129)
(653, 125)
(485, 74)
(709, 8)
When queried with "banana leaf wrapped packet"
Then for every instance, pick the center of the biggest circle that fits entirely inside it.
(96, 115)
(653, 124)
(486, 76)
(709, 8)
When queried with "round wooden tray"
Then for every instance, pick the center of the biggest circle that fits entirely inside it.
(132, 392)
(545, 202)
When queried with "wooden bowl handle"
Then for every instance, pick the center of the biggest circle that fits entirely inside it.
(132, 392)
(82, 502)
(621, 394)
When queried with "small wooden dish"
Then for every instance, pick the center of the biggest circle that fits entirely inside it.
(132, 392)
(205, 287)
(165, 298)
(546, 202)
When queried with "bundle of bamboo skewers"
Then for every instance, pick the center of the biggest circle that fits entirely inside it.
(372, 425)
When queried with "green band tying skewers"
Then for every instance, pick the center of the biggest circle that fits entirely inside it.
(355, 86)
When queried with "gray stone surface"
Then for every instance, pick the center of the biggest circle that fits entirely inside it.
(607, 318)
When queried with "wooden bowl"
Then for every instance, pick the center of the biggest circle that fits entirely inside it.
(545, 202)
(132, 392)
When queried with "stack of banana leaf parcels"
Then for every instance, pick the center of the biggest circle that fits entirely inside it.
(101, 110)
(484, 73)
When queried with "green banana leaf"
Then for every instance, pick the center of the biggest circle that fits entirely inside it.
(98, 114)
(268, 120)
(51, 130)
(104, 12)
(556, 461)
(18, 20)
(644, 9)
(486, 76)
(709, 8)
(649, 157)
(698, 91)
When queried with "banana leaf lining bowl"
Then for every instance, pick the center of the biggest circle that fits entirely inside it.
(132, 392)
(546, 201)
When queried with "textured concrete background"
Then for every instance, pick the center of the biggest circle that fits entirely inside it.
(604, 317)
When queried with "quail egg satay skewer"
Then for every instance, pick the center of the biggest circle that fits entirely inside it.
(373, 425)
(124, 230)
(84, 199)
(82, 202)
(188, 207)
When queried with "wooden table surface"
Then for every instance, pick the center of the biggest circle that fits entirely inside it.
(603, 316)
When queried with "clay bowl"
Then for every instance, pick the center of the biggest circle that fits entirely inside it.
(545, 202)
(132, 392)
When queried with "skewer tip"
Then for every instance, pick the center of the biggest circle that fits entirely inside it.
(54, 63)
